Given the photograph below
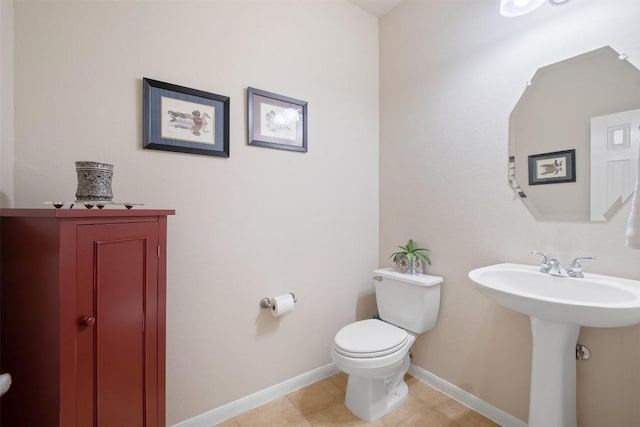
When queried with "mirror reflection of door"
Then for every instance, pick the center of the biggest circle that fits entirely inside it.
(615, 139)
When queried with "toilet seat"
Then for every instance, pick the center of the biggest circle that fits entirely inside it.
(369, 339)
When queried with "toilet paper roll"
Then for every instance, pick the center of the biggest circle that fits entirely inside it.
(282, 304)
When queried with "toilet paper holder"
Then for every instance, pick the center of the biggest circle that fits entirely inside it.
(268, 302)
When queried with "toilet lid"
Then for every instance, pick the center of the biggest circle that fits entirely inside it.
(369, 338)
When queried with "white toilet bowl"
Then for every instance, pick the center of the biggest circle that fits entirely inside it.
(375, 354)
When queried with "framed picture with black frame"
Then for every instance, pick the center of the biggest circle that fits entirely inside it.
(552, 168)
(276, 121)
(181, 119)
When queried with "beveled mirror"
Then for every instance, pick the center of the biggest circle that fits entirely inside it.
(550, 137)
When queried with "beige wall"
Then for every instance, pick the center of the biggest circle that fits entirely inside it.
(445, 100)
(265, 222)
(6, 104)
(261, 223)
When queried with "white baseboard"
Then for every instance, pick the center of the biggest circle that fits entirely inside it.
(223, 413)
(233, 409)
(496, 415)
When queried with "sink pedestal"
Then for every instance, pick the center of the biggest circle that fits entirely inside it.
(552, 402)
(558, 307)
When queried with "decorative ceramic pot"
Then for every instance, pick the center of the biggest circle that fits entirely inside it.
(403, 265)
(94, 181)
(418, 266)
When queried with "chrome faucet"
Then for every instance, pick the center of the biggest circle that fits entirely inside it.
(575, 270)
(554, 267)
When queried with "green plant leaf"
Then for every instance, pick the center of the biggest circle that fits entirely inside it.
(411, 245)
(423, 257)
(411, 250)
(398, 256)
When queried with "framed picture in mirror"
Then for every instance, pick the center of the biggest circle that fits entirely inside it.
(552, 168)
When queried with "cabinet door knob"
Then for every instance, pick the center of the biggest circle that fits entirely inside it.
(88, 321)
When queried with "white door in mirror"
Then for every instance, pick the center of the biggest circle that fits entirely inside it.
(614, 157)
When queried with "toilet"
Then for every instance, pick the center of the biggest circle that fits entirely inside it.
(375, 352)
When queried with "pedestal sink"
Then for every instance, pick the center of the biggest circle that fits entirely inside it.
(558, 307)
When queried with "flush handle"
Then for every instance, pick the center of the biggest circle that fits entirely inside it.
(378, 278)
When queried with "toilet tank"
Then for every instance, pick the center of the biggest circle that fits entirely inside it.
(408, 301)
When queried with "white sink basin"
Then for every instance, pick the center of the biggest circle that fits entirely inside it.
(558, 307)
(595, 300)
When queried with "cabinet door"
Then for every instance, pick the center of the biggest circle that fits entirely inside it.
(117, 289)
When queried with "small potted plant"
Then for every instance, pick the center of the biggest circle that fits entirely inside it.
(411, 258)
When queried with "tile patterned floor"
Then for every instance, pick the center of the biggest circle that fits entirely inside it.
(322, 404)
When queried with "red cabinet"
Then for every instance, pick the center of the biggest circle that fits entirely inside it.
(82, 317)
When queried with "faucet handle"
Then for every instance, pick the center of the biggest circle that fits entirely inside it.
(575, 270)
(544, 268)
(576, 261)
(542, 254)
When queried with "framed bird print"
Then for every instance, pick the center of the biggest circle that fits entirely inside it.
(181, 119)
(276, 121)
(552, 168)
